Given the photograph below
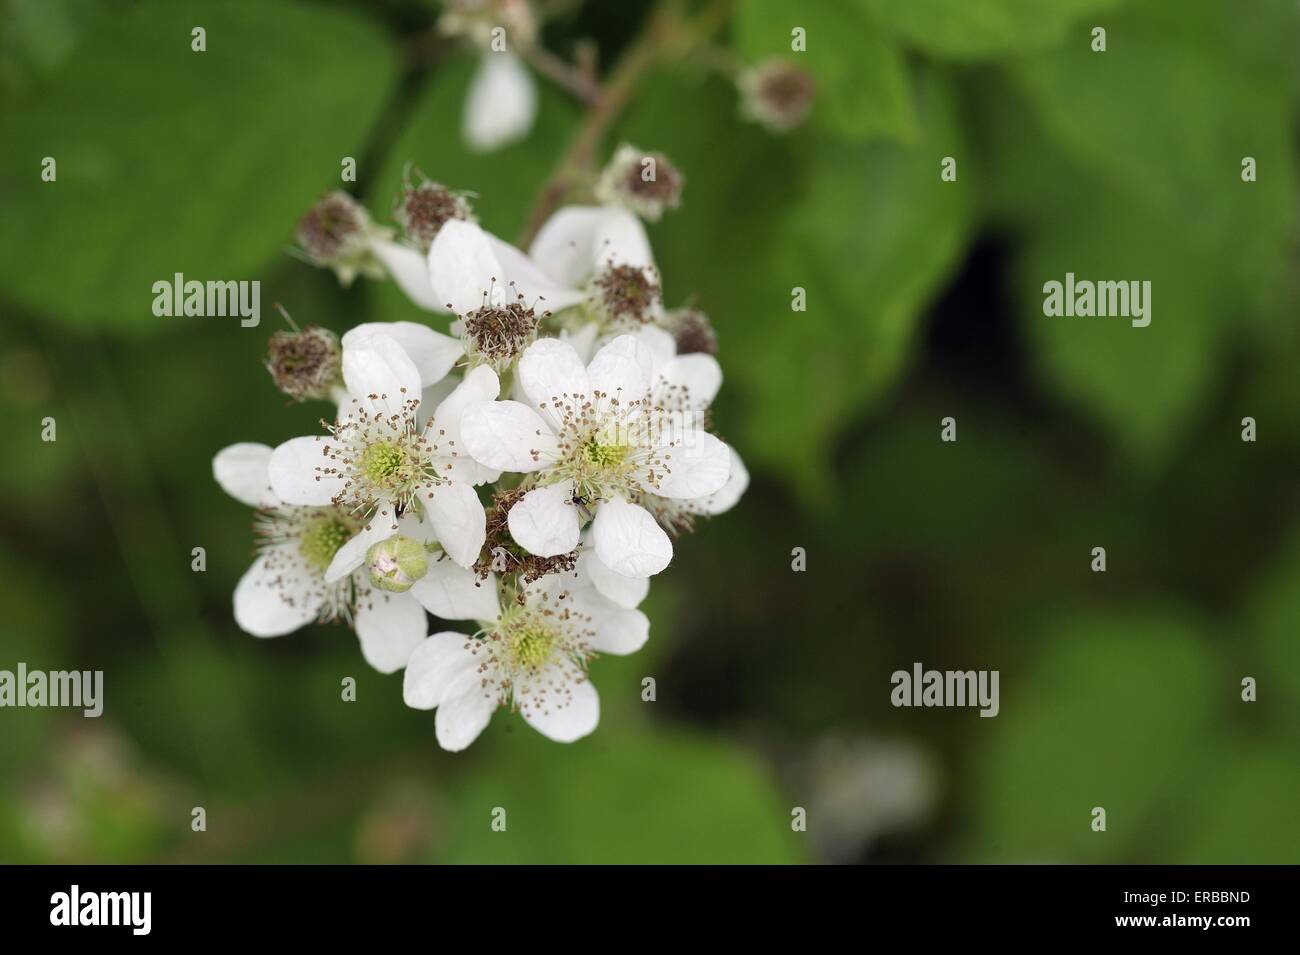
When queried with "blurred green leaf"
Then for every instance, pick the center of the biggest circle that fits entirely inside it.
(171, 160)
(668, 797)
(1113, 706)
(974, 29)
(1275, 612)
(862, 80)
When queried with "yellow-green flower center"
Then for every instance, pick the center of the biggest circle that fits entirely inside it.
(530, 645)
(321, 540)
(603, 456)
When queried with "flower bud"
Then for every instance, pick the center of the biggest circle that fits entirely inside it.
(646, 183)
(335, 233)
(397, 563)
(305, 364)
(692, 331)
(423, 208)
(776, 94)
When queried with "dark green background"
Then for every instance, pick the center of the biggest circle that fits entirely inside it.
(1119, 690)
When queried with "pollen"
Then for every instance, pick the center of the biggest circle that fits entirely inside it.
(604, 456)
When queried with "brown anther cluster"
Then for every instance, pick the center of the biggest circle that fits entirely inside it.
(499, 334)
(499, 548)
(424, 209)
(665, 187)
(778, 94)
(693, 332)
(627, 294)
(305, 364)
(326, 229)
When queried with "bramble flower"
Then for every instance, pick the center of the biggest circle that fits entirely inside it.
(286, 588)
(336, 233)
(593, 441)
(531, 655)
(646, 183)
(501, 104)
(381, 460)
(422, 209)
(776, 94)
(497, 292)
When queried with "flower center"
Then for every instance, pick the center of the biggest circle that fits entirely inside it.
(327, 227)
(625, 294)
(321, 539)
(604, 457)
(424, 209)
(386, 464)
(497, 335)
(530, 645)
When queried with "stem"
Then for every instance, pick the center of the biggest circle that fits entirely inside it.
(580, 84)
(667, 35)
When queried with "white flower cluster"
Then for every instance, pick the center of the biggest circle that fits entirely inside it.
(527, 470)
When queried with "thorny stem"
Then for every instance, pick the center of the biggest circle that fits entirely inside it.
(668, 36)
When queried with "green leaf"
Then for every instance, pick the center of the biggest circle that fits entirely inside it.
(976, 29)
(1166, 116)
(862, 82)
(171, 160)
(668, 797)
(1112, 709)
(1275, 611)
(1132, 172)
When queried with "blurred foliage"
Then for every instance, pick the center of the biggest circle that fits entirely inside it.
(924, 299)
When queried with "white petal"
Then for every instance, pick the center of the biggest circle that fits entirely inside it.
(695, 377)
(271, 601)
(530, 281)
(620, 631)
(464, 712)
(545, 520)
(451, 592)
(501, 103)
(622, 367)
(410, 271)
(726, 498)
(480, 384)
(457, 517)
(567, 723)
(508, 436)
(628, 540)
(294, 471)
(696, 465)
(463, 267)
(243, 471)
(390, 627)
(577, 241)
(626, 592)
(380, 374)
(548, 369)
(660, 342)
(432, 353)
(584, 340)
(353, 553)
(433, 666)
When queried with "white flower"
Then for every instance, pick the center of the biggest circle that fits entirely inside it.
(497, 292)
(603, 253)
(382, 460)
(531, 655)
(501, 104)
(502, 100)
(596, 440)
(286, 587)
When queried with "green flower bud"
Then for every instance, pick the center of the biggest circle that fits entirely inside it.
(397, 563)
